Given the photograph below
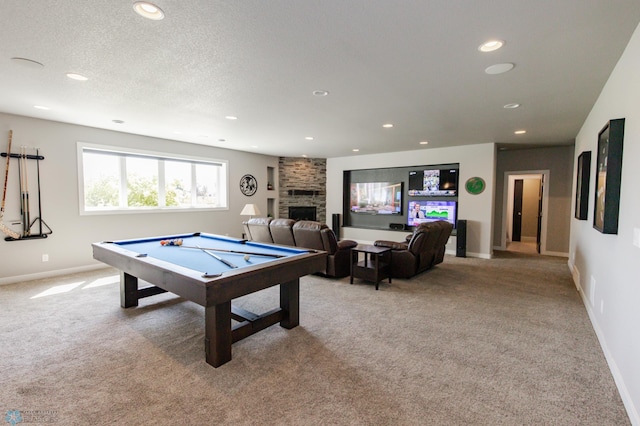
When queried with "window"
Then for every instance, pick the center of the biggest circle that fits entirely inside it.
(124, 180)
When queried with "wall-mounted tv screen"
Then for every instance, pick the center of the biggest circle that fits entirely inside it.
(376, 198)
(430, 211)
(433, 182)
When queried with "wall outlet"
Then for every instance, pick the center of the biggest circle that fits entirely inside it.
(636, 237)
(592, 291)
(45, 257)
(602, 306)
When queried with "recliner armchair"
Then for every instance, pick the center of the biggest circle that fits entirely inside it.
(315, 235)
(282, 232)
(422, 250)
(257, 229)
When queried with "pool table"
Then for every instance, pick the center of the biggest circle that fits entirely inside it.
(212, 270)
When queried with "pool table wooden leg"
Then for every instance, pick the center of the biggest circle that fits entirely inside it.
(217, 338)
(128, 290)
(290, 303)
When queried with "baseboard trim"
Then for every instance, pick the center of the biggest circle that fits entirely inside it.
(49, 274)
(470, 254)
(632, 411)
(555, 253)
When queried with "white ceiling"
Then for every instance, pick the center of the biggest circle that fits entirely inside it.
(413, 63)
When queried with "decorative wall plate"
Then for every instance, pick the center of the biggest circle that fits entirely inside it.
(248, 185)
(475, 185)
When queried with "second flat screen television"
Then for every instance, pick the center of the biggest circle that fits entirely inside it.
(433, 182)
(430, 210)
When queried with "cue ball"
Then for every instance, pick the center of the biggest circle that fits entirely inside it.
(247, 257)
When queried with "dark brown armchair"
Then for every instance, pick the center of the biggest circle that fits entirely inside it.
(424, 249)
(318, 236)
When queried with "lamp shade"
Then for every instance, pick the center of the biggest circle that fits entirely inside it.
(250, 210)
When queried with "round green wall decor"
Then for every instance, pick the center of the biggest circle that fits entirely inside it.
(475, 185)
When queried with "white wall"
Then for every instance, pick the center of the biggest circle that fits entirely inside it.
(612, 261)
(475, 160)
(69, 247)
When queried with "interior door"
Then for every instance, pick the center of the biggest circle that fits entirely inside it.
(539, 214)
(516, 231)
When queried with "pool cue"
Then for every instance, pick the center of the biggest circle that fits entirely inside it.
(39, 218)
(24, 185)
(3, 227)
(226, 262)
(234, 251)
(39, 196)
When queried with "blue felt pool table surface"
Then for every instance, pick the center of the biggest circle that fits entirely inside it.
(189, 256)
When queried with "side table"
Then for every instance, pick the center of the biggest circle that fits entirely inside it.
(376, 265)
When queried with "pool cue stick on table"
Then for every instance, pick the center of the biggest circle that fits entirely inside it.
(235, 251)
(226, 262)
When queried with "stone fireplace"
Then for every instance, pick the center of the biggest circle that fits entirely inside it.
(302, 184)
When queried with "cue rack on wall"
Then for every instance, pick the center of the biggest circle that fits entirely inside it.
(25, 161)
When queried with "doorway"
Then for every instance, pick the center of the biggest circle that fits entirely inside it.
(524, 212)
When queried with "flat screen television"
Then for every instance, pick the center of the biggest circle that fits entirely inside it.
(376, 198)
(430, 210)
(433, 182)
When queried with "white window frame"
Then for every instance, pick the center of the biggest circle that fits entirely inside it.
(161, 157)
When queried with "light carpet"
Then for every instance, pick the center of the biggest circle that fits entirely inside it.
(505, 341)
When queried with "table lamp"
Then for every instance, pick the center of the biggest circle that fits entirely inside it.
(250, 210)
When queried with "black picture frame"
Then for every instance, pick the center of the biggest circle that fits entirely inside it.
(583, 174)
(608, 177)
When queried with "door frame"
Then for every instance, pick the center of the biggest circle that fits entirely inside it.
(507, 203)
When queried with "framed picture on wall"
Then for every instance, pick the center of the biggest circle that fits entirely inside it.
(608, 177)
(582, 185)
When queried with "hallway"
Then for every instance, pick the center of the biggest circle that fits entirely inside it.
(522, 247)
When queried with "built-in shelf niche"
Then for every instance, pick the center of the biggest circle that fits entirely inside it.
(271, 203)
(271, 183)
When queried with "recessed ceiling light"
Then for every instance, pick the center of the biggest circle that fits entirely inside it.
(304, 155)
(222, 140)
(79, 77)
(355, 150)
(118, 121)
(424, 142)
(387, 126)
(309, 138)
(46, 108)
(320, 93)
(520, 132)
(148, 10)
(28, 62)
(511, 106)
(499, 68)
(254, 146)
(231, 117)
(491, 45)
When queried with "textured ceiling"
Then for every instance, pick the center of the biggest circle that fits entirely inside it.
(411, 63)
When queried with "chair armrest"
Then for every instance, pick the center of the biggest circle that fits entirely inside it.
(346, 244)
(394, 245)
